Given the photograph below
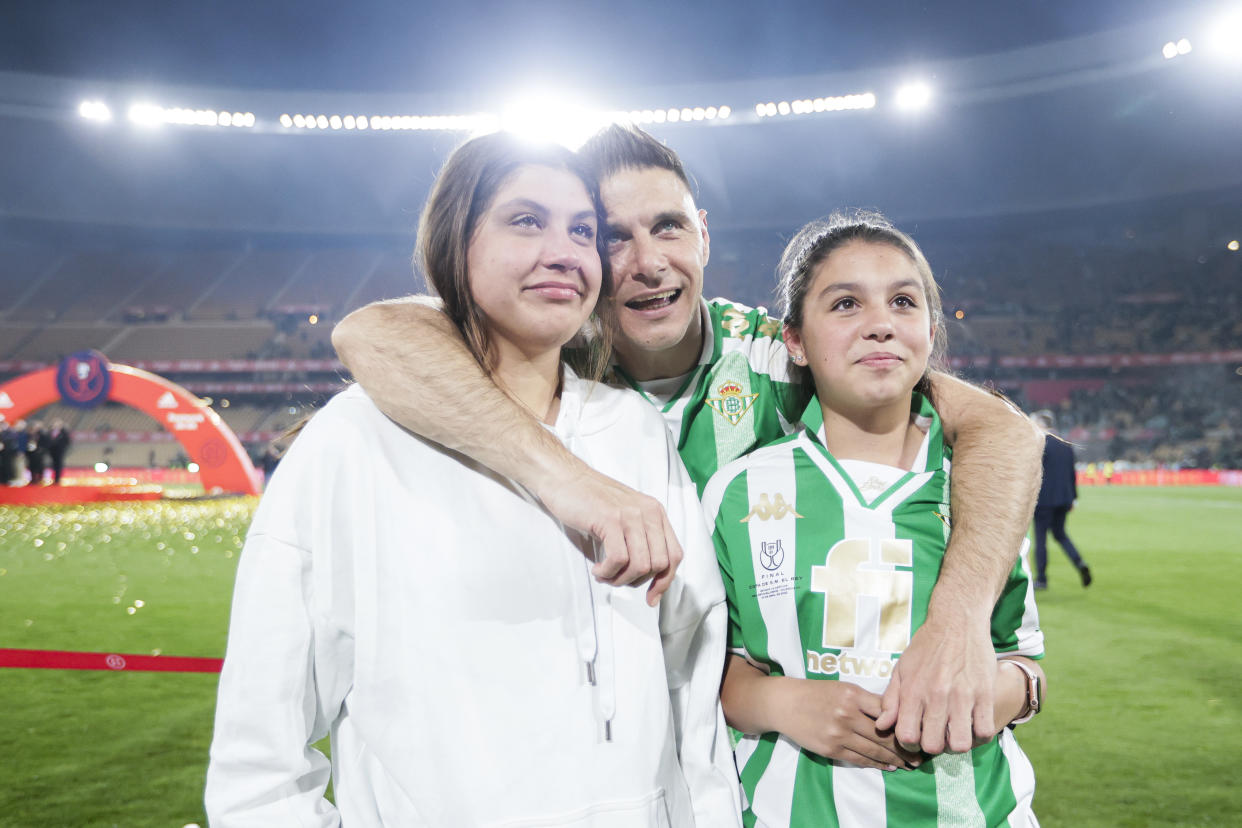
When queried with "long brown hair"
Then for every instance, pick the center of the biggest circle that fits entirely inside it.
(462, 193)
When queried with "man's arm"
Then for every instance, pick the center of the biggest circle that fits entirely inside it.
(942, 687)
(414, 364)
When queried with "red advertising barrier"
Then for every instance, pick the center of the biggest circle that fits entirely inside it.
(67, 660)
(1161, 477)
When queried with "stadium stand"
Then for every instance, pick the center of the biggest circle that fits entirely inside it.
(1033, 305)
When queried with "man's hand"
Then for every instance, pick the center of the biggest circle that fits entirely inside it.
(414, 364)
(940, 695)
(633, 531)
(837, 720)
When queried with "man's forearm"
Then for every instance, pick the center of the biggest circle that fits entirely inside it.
(414, 364)
(997, 455)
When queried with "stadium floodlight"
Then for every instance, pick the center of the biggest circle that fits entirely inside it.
(913, 96)
(95, 111)
(286, 121)
(552, 116)
(1169, 51)
(1183, 46)
(1224, 41)
(146, 114)
(1233, 246)
(101, 467)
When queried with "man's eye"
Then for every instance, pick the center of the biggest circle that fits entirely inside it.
(612, 238)
(669, 226)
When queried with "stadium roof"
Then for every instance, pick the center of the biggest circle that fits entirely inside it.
(1036, 106)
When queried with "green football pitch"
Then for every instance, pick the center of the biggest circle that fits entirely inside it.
(1143, 723)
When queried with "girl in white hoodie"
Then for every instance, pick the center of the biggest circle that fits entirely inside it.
(438, 623)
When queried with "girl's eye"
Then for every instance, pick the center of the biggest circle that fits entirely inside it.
(525, 220)
(844, 304)
(586, 231)
(904, 302)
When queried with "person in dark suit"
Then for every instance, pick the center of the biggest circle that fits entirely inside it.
(8, 442)
(36, 452)
(57, 440)
(1056, 497)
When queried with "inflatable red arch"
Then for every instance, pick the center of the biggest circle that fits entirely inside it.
(87, 379)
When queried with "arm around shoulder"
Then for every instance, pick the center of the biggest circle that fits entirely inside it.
(412, 361)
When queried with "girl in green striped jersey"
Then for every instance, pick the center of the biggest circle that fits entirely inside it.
(830, 541)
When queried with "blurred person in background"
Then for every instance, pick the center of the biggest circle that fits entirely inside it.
(18, 445)
(36, 452)
(1057, 494)
(58, 441)
(8, 446)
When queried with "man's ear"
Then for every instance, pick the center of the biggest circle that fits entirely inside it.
(707, 239)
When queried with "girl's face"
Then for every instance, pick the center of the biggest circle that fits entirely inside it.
(866, 329)
(533, 266)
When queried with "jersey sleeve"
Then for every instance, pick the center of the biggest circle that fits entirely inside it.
(720, 501)
(1015, 619)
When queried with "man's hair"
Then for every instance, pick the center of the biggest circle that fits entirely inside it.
(626, 147)
(462, 193)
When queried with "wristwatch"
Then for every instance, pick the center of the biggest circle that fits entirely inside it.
(1034, 692)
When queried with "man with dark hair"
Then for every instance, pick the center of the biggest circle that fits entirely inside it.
(719, 373)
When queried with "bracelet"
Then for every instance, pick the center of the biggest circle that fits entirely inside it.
(1034, 692)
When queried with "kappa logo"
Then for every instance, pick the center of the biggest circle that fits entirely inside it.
(734, 322)
(771, 555)
(167, 401)
(732, 404)
(5, 400)
(769, 507)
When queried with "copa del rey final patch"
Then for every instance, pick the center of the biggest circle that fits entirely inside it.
(731, 403)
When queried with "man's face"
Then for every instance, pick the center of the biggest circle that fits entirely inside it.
(658, 245)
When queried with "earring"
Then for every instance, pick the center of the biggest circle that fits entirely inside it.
(799, 359)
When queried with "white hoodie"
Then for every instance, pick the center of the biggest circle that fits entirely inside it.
(445, 630)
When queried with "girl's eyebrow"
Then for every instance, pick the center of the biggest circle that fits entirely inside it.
(853, 287)
(524, 203)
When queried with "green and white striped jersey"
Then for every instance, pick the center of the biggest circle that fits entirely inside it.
(828, 568)
(739, 396)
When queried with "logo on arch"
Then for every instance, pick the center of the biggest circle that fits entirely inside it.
(83, 379)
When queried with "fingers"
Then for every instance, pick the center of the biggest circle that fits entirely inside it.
(867, 754)
(616, 555)
(961, 722)
(888, 703)
(984, 720)
(911, 729)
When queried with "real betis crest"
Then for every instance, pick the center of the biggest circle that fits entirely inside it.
(732, 404)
